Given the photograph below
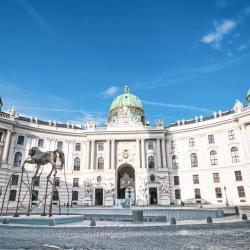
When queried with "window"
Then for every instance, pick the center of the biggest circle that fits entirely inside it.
(241, 191)
(175, 161)
(216, 177)
(75, 196)
(177, 193)
(197, 193)
(17, 159)
(173, 145)
(100, 146)
(218, 192)
(57, 181)
(100, 163)
(191, 142)
(55, 195)
(12, 196)
(20, 140)
(235, 155)
(176, 180)
(35, 195)
(78, 147)
(213, 157)
(231, 135)
(210, 139)
(238, 176)
(14, 180)
(194, 160)
(60, 145)
(76, 182)
(152, 178)
(151, 162)
(150, 145)
(196, 179)
(36, 181)
(40, 143)
(77, 164)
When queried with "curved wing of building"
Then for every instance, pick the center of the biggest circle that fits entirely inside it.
(203, 160)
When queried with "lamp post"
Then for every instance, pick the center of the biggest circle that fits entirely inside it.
(225, 189)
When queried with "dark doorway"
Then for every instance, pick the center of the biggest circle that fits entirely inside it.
(153, 196)
(125, 180)
(99, 197)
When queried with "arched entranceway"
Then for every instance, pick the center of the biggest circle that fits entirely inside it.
(125, 181)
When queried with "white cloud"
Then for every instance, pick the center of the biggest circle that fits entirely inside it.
(111, 91)
(178, 106)
(244, 46)
(221, 29)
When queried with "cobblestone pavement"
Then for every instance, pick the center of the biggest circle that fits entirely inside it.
(215, 236)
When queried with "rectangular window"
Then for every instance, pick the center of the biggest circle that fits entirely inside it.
(100, 146)
(75, 182)
(75, 196)
(177, 193)
(210, 139)
(78, 147)
(238, 176)
(60, 145)
(196, 179)
(191, 142)
(241, 191)
(37, 181)
(216, 177)
(150, 145)
(14, 180)
(57, 181)
(176, 180)
(197, 193)
(218, 192)
(12, 196)
(173, 145)
(35, 195)
(40, 143)
(231, 135)
(20, 140)
(56, 196)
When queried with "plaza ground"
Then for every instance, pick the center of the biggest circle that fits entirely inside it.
(230, 235)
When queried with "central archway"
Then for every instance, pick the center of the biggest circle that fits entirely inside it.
(125, 180)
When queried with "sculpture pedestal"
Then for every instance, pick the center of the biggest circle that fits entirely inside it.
(108, 202)
(164, 200)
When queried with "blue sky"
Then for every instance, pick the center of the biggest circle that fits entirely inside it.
(67, 60)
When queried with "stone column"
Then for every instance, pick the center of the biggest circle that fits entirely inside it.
(108, 154)
(158, 152)
(112, 154)
(6, 147)
(88, 154)
(138, 154)
(163, 150)
(143, 153)
(244, 137)
(92, 160)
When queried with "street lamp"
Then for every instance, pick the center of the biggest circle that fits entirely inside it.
(225, 189)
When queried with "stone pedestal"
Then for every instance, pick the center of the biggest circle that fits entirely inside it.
(87, 201)
(164, 200)
(108, 202)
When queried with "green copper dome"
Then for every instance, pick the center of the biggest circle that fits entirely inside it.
(132, 102)
(126, 99)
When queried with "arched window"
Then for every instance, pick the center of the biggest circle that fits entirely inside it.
(151, 162)
(194, 160)
(213, 157)
(175, 161)
(100, 163)
(17, 159)
(77, 164)
(235, 154)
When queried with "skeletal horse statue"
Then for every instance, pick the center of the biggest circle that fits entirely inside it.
(36, 156)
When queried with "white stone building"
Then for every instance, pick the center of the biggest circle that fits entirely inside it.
(204, 160)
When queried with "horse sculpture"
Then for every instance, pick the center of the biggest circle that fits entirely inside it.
(36, 156)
